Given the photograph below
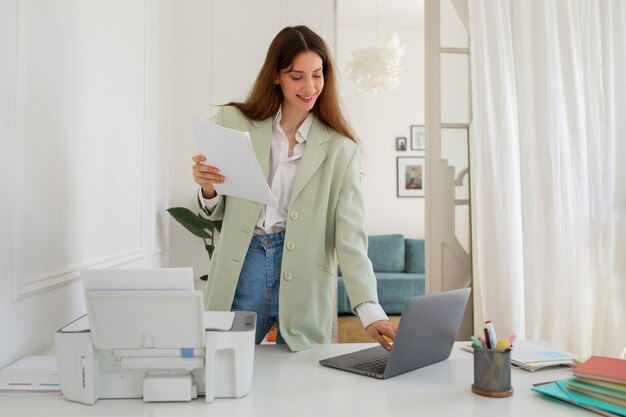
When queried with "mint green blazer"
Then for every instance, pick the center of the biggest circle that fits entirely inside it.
(325, 218)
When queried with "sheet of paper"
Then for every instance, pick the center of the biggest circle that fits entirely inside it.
(32, 374)
(538, 352)
(231, 151)
(533, 355)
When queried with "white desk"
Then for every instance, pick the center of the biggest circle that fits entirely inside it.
(295, 385)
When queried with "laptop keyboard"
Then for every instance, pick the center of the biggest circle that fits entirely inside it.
(376, 365)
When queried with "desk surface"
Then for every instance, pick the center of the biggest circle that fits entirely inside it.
(294, 384)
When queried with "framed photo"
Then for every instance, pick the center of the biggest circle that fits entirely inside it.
(418, 137)
(401, 143)
(411, 174)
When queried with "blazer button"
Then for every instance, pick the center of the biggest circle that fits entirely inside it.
(293, 215)
(287, 276)
(291, 245)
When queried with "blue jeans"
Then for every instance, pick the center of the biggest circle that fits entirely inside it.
(259, 282)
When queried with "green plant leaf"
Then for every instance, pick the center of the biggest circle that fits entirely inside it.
(218, 225)
(195, 223)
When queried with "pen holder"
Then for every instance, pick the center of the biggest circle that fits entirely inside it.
(492, 372)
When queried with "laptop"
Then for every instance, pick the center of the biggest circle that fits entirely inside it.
(426, 333)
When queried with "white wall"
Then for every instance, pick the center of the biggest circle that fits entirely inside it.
(379, 118)
(84, 128)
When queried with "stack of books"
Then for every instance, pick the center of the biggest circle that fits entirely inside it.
(602, 378)
(599, 385)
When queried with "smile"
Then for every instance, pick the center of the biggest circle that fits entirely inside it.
(306, 98)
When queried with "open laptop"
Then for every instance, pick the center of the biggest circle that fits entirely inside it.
(425, 335)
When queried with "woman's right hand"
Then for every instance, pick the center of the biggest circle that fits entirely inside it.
(205, 176)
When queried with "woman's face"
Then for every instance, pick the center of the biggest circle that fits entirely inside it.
(302, 83)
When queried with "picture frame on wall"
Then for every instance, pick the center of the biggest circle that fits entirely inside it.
(418, 137)
(401, 143)
(411, 175)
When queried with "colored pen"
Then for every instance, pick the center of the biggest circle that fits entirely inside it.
(487, 339)
(493, 339)
(512, 338)
(476, 342)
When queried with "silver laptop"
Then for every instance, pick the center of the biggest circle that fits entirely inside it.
(426, 333)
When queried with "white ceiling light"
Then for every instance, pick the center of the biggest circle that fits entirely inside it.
(377, 69)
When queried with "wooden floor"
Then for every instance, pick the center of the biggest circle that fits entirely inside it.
(350, 329)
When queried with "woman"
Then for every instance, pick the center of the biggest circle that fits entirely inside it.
(279, 261)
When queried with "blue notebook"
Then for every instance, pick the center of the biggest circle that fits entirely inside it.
(558, 390)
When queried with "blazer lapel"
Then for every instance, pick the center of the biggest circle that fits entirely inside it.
(312, 157)
(261, 139)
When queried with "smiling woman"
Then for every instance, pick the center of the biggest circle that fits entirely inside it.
(309, 154)
(299, 44)
(301, 84)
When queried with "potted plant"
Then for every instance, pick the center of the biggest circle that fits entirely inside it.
(199, 226)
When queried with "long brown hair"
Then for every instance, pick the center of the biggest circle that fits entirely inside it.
(266, 97)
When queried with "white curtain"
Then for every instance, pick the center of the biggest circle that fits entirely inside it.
(549, 169)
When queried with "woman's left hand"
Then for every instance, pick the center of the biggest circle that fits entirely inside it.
(381, 328)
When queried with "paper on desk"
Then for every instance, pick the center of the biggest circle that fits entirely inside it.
(231, 151)
(533, 355)
(32, 375)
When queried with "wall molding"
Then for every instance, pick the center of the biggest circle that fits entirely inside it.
(18, 150)
(56, 279)
(25, 286)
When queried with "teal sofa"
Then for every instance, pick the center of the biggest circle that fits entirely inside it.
(400, 272)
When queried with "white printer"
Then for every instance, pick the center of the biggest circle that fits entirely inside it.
(157, 344)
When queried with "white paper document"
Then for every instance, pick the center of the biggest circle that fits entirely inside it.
(534, 354)
(32, 375)
(231, 151)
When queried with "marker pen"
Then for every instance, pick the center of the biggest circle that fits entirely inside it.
(492, 334)
(487, 339)
(512, 338)
(476, 342)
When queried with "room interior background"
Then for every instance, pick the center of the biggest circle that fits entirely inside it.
(96, 144)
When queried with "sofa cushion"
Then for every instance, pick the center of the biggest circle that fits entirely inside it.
(394, 286)
(414, 251)
(386, 253)
(393, 290)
